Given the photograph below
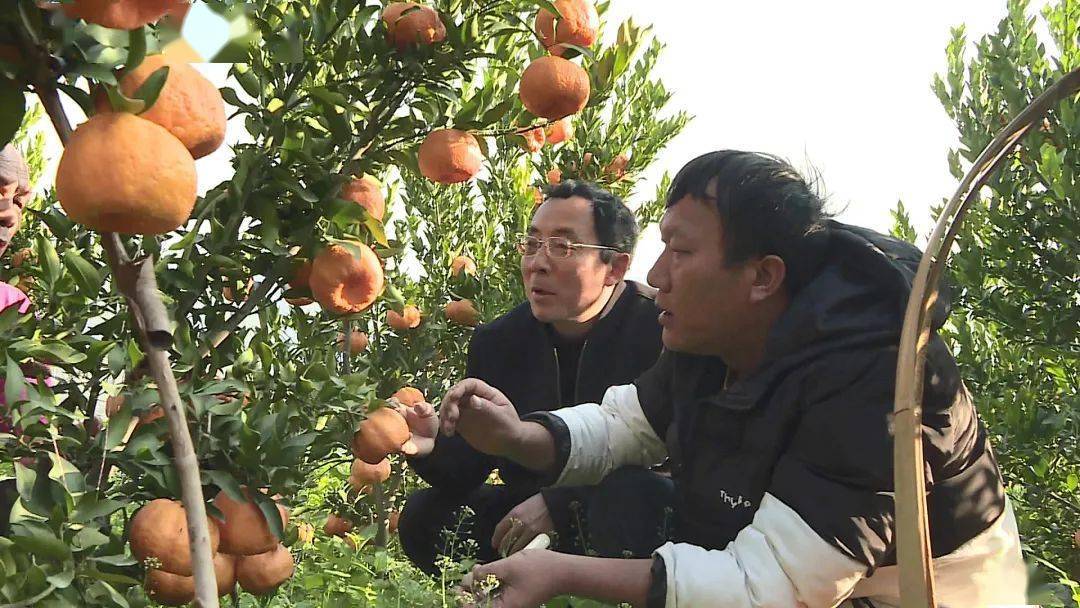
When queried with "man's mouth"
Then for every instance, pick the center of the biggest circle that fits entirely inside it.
(536, 291)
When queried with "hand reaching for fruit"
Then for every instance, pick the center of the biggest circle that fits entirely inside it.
(423, 424)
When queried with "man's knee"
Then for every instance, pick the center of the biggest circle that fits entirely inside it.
(420, 524)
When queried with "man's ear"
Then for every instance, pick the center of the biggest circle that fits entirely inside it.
(768, 278)
(617, 268)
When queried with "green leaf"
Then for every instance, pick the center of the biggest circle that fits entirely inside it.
(117, 426)
(549, 7)
(14, 383)
(88, 538)
(12, 110)
(50, 262)
(149, 90)
(90, 507)
(270, 512)
(93, 71)
(53, 351)
(136, 48)
(64, 578)
(86, 276)
(119, 560)
(226, 482)
(123, 103)
(39, 540)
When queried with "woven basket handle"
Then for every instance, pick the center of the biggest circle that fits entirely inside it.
(912, 533)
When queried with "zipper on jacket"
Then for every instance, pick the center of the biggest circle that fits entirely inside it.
(577, 373)
(558, 378)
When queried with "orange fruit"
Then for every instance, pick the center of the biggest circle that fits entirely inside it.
(225, 572)
(169, 589)
(462, 263)
(347, 280)
(560, 131)
(393, 521)
(538, 197)
(122, 173)
(617, 167)
(336, 525)
(419, 26)
(262, 573)
(462, 312)
(409, 396)
(364, 474)
(245, 530)
(227, 291)
(553, 87)
(358, 341)
(113, 405)
(579, 25)
(534, 139)
(554, 176)
(189, 106)
(21, 256)
(382, 433)
(366, 191)
(450, 156)
(299, 280)
(119, 14)
(155, 413)
(408, 318)
(159, 530)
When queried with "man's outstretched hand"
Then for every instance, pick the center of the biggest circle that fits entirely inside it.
(423, 423)
(482, 415)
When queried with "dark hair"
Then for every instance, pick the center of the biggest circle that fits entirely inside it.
(766, 208)
(615, 224)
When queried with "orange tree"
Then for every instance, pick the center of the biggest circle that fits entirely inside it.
(334, 90)
(1016, 275)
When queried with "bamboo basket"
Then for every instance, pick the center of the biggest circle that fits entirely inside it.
(912, 533)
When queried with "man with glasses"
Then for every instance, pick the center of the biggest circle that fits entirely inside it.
(582, 329)
(773, 400)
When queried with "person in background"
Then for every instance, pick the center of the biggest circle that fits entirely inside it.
(582, 329)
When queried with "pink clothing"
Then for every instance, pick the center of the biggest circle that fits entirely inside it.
(12, 296)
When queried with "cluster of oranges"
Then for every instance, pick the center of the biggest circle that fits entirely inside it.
(246, 551)
(551, 87)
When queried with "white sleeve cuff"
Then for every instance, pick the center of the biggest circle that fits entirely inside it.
(777, 561)
(607, 436)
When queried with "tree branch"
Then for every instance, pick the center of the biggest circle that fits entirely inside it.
(136, 281)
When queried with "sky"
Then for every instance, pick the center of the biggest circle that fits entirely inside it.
(839, 87)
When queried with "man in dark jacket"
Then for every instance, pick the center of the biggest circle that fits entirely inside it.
(583, 329)
(773, 401)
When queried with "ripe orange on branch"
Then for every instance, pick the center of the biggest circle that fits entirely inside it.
(189, 106)
(411, 23)
(122, 173)
(260, 574)
(347, 279)
(362, 474)
(159, 530)
(408, 318)
(553, 87)
(450, 156)
(366, 191)
(462, 312)
(579, 25)
(382, 433)
(118, 14)
(245, 530)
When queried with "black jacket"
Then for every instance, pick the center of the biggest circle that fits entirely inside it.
(515, 354)
(811, 426)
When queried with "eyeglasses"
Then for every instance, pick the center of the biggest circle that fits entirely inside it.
(556, 247)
